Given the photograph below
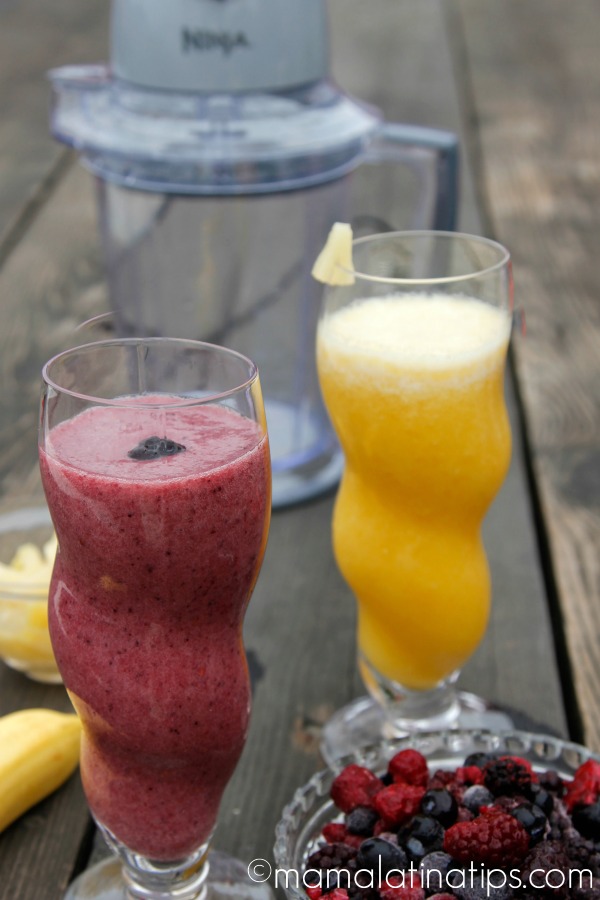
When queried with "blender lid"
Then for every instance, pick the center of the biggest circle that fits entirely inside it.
(208, 143)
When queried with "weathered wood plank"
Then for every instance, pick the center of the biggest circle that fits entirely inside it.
(34, 37)
(536, 84)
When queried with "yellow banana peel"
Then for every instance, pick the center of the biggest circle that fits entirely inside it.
(39, 749)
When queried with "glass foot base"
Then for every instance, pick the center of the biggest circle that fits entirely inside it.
(227, 879)
(363, 722)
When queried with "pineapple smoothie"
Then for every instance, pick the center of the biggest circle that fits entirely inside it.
(414, 386)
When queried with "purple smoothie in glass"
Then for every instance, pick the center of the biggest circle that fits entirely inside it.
(156, 565)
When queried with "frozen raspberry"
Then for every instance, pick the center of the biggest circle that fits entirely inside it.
(410, 767)
(338, 894)
(506, 776)
(313, 891)
(440, 779)
(354, 786)
(334, 832)
(398, 803)
(585, 787)
(354, 840)
(494, 837)
(469, 775)
(398, 888)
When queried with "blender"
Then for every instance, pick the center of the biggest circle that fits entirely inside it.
(223, 152)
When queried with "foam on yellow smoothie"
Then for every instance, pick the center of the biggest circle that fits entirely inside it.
(414, 386)
(407, 333)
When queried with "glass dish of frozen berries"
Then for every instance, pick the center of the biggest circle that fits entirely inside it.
(456, 814)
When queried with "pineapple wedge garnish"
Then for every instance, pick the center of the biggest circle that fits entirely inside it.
(334, 265)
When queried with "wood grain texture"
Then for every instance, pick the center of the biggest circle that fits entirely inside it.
(35, 36)
(536, 86)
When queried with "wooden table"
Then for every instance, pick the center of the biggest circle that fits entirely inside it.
(520, 82)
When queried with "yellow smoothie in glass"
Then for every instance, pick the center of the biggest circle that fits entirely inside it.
(414, 386)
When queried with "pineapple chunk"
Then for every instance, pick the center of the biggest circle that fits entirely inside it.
(334, 265)
(27, 559)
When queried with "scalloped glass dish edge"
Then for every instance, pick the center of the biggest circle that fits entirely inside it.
(309, 809)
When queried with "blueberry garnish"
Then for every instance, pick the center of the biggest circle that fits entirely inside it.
(153, 447)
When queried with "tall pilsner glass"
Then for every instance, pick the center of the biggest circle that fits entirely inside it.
(155, 464)
(411, 360)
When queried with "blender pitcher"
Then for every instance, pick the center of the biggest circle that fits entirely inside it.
(223, 153)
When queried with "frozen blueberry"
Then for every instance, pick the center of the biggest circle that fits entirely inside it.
(433, 869)
(375, 849)
(475, 797)
(361, 820)
(423, 835)
(586, 820)
(441, 805)
(532, 819)
(478, 759)
(541, 797)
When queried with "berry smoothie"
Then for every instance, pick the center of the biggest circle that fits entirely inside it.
(158, 555)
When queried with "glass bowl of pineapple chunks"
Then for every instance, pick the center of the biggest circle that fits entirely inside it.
(27, 551)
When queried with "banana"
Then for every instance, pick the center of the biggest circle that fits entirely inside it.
(39, 749)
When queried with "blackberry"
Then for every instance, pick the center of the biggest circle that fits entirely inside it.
(583, 854)
(477, 796)
(541, 859)
(331, 856)
(506, 776)
(552, 782)
(440, 804)
(423, 835)
(362, 820)
(375, 849)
